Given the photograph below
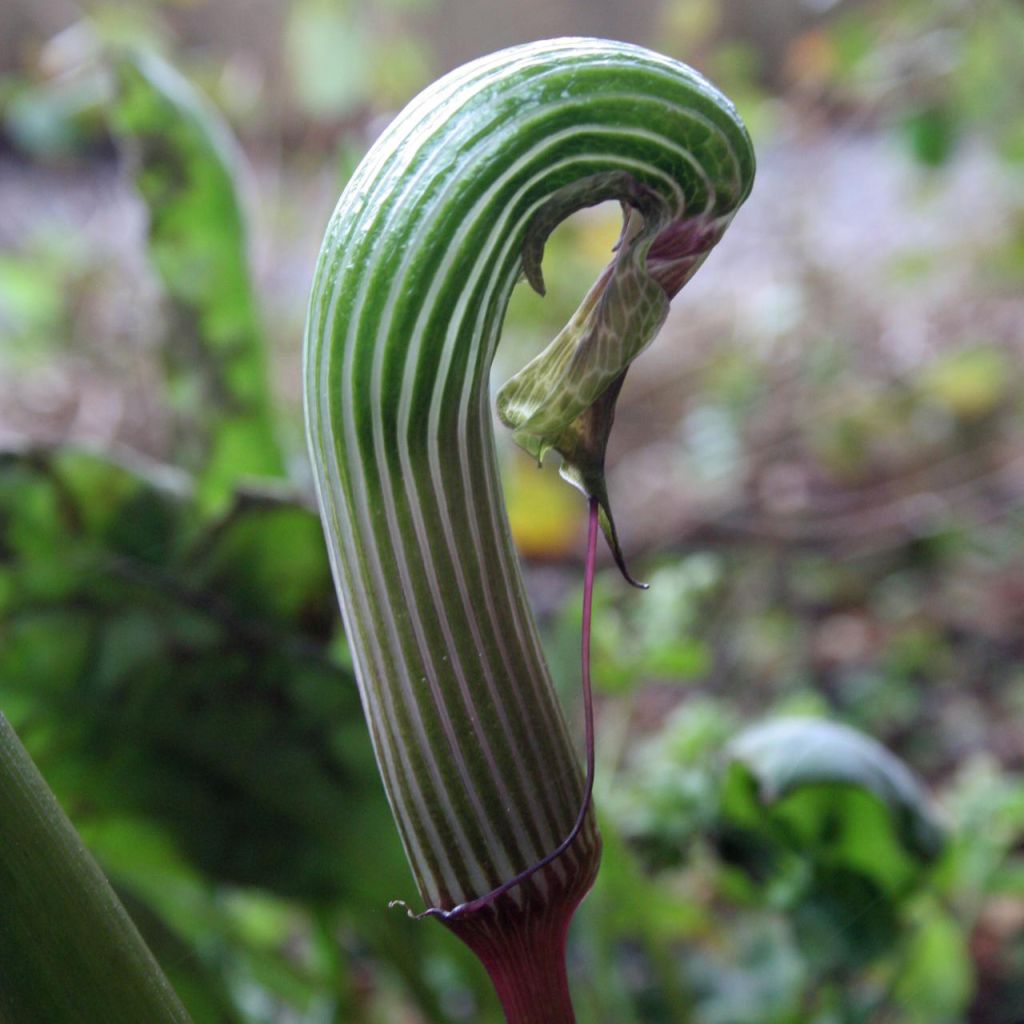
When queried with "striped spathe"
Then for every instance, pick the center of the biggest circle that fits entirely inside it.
(417, 266)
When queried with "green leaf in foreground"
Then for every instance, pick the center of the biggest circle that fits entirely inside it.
(68, 950)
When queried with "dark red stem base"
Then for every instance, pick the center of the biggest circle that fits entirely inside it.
(521, 937)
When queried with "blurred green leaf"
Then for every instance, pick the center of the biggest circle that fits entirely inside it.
(790, 757)
(834, 829)
(931, 134)
(936, 979)
(186, 164)
(188, 667)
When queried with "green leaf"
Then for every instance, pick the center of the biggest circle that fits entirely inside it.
(936, 980)
(931, 134)
(788, 756)
(182, 671)
(831, 827)
(844, 919)
(186, 163)
(68, 950)
(268, 556)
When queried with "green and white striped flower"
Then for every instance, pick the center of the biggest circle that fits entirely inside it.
(448, 210)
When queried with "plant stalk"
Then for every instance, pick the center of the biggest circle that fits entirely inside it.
(68, 950)
(451, 206)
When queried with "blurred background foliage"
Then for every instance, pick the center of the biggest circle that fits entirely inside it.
(811, 728)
